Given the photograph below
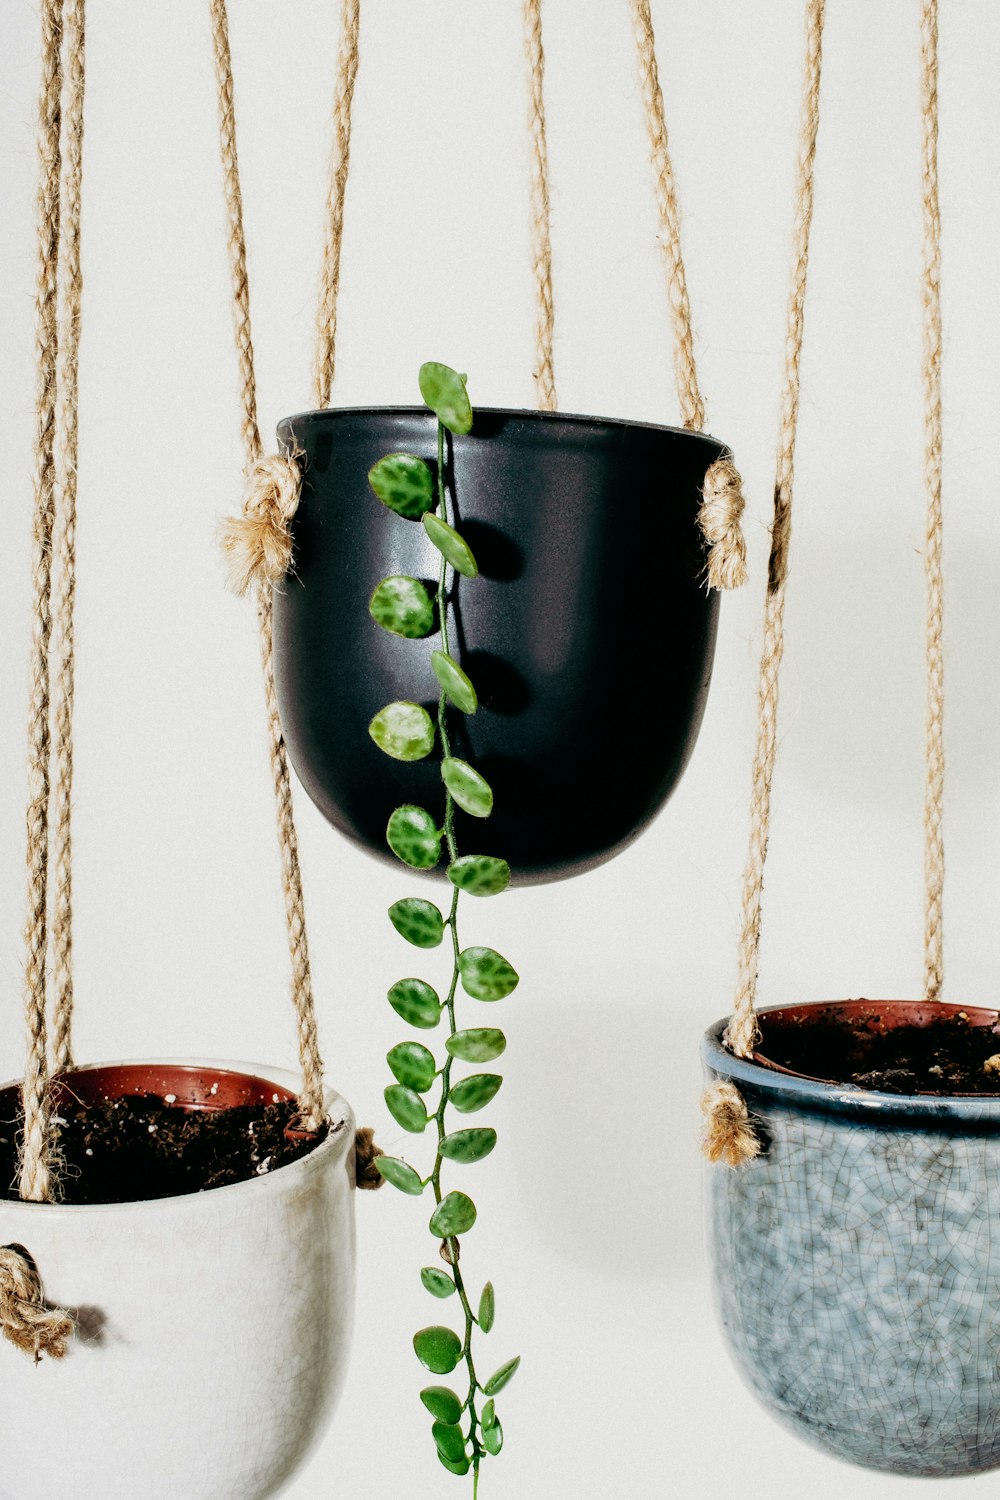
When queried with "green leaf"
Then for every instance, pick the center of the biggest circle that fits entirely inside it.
(468, 1145)
(500, 1377)
(414, 837)
(416, 1002)
(493, 1439)
(454, 1215)
(455, 685)
(474, 1092)
(471, 791)
(438, 1283)
(442, 1403)
(461, 1466)
(487, 1308)
(480, 875)
(413, 1065)
(452, 547)
(443, 390)
(419, 922)
(489, 1415)
(438, 1349)
(406, 1107)
(404, 483)
(403, 730)
(400, 1174)
(450, 1442)
(402, 606)
(477, 1044)
(486, 974)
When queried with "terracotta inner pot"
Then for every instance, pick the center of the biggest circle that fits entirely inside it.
(187, 1086)
(779, 1027)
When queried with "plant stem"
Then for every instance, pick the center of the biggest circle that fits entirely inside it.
(452, 922)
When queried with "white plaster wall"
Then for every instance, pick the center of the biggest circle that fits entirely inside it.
(589, 1209)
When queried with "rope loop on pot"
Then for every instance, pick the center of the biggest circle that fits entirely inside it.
(257, 544)
(728, 1135)
(721, 520)
(366, 1154)
(25, 1318)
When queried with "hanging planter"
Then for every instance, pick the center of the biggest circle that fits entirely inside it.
(558, 510)
(852, 1256)
(852, 1226)
(211, 1329)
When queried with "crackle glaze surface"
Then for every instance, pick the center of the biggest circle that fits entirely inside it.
(214, 1332)
(857, 1269)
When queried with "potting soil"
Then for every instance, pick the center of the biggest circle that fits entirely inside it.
(950, 1056)
(139, 1147)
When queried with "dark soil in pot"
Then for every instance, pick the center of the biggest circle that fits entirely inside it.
(956, 1053)
(128, 1134)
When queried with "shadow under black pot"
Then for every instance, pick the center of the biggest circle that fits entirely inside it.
(589, 633)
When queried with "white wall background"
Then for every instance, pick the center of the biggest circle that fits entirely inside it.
(590, 1211)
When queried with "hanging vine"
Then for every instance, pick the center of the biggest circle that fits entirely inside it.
(465, 1428)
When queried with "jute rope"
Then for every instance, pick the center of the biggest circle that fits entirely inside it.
(934, 793)
(34, 1178)
(271, 485)
(25, 1318)
(742, 1032)
(723, 504)
(65, 541)
(326, 325)
(541, 238)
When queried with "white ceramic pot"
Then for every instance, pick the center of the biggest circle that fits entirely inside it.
(213, 1331)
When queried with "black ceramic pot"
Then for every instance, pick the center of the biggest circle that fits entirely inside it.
(589, 634)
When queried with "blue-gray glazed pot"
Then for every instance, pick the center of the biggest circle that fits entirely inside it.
(857, 1260)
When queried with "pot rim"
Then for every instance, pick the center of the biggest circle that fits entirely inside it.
(764, 1077)
(277, 1183)
(581, 419)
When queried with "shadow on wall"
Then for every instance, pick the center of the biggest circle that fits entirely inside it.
(609, 1162)
(856, 670)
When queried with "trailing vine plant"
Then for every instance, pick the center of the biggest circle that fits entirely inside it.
(465, 1428)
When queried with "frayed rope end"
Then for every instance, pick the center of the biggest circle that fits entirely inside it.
(728, 1134)
(257, 545)
(720, 518)
(25, 1319)
(366, 1153)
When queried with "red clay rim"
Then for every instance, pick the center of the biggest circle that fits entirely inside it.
(188, 1086)
(879, 1016)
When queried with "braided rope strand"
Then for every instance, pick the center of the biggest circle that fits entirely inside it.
(311, 1095)
(541, 237)
(34, 1175)
(934, 794)
(691, 403)
(326, 323)
(742, 1033)
(65, 543)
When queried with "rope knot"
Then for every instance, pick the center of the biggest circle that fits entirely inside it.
(728, 1135)
(720, 517)
(25, 1319)
(257, 544)
(366, 1153)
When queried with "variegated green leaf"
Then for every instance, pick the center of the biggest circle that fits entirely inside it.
(452, 547)
(471, 791)
(444, 391)
(402, 606)
(486, 974)
(414, 837)
(403, 730)
(480, 874)
(455, 684)
(404, 483)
